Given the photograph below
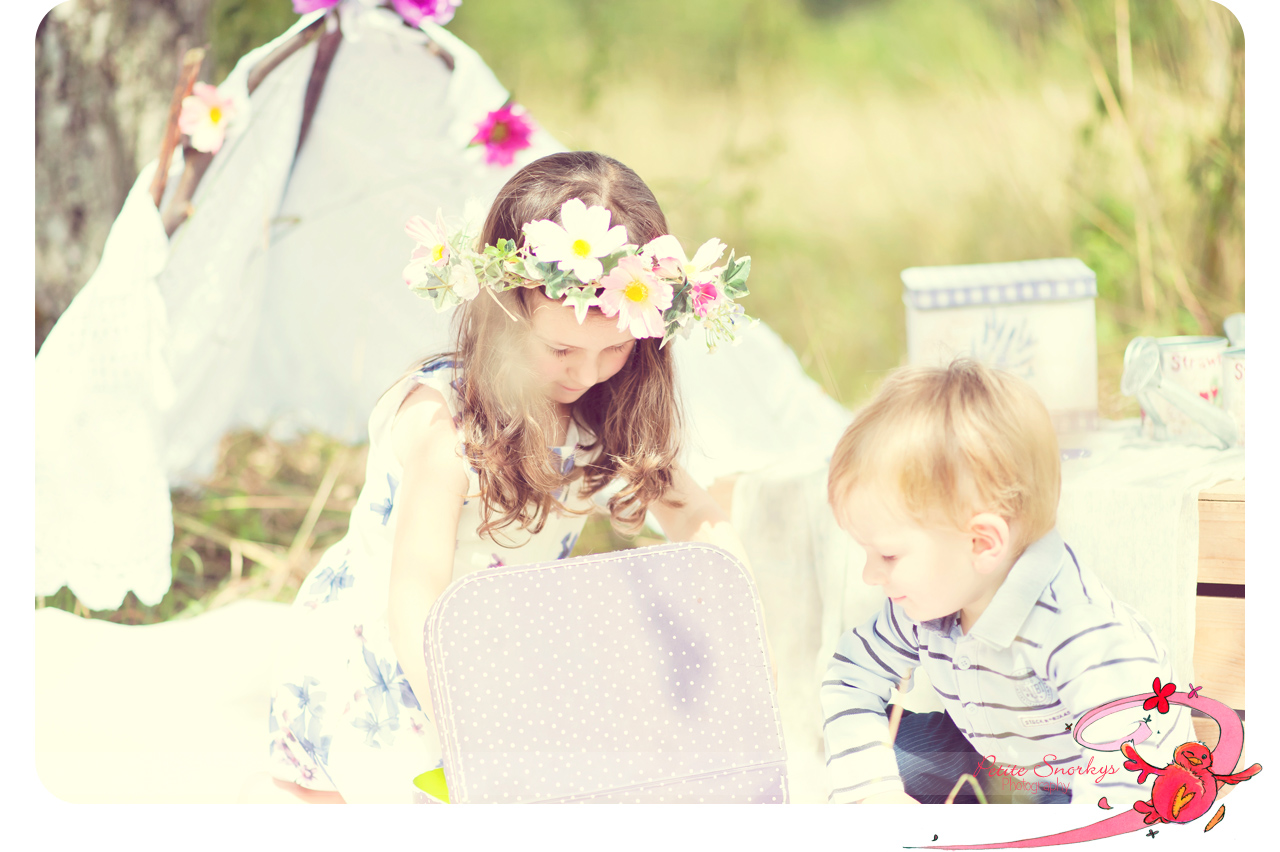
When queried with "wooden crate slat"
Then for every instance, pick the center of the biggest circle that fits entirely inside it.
(1219, 649)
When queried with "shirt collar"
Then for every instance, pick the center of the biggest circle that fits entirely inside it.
(941, 625)
(1013, 601)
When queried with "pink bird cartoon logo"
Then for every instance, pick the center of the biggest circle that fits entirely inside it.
(1186, 788)
(1182, 792)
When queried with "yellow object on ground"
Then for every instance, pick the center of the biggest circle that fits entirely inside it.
(433, 784)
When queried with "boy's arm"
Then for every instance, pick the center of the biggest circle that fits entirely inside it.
(868, 664)
(1098, 659)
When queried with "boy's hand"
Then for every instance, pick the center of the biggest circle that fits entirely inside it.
(894, 798)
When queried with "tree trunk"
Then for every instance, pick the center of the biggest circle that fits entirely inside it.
(105, 72)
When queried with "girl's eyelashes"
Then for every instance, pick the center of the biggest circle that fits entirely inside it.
(561, 353)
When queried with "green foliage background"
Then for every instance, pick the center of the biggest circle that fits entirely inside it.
(839, 142)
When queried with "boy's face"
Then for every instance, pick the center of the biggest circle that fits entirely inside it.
(928, 571)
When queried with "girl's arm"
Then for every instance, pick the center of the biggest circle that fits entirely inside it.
(699, 519)
(430, 503)
(702, 519)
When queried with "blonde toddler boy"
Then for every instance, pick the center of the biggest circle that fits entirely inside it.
(949, 479)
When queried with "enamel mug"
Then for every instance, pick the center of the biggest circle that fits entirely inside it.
(1195, 363)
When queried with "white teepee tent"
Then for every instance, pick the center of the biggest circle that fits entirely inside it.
(276, 302)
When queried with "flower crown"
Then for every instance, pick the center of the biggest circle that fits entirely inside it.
(654, 290)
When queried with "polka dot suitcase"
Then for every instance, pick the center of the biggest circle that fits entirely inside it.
(635, 676)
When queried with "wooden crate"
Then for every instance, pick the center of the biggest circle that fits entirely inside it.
(1219, 638)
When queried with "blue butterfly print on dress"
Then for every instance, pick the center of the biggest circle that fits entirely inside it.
(385, 506)
(407, 698)
(304, 698)
(372, 727)
(316, 746)
(383, 679)
(566, 462)
(336, 581)
(566, 465)
(428, 369)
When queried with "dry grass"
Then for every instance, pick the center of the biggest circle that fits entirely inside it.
(266, 516)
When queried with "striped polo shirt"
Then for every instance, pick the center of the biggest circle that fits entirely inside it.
(1052, 645)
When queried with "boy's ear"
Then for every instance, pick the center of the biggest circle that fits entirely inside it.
(991, 540)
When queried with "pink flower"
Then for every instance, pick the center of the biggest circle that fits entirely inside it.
(503, 132)
(204, 117)
(432, 240)
(636, 296)
(415, 12)
(702, 296)
(302, 7)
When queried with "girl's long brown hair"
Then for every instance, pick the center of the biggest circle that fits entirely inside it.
(635, 415)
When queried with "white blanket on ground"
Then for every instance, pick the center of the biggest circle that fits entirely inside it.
(177, 712)
(164, 713)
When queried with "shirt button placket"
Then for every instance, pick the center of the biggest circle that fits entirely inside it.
(966, 679)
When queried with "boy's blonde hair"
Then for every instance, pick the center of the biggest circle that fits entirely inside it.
(952, 442)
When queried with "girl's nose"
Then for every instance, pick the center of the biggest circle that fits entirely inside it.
(584, 373)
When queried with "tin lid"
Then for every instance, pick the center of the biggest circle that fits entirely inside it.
(1185, 341)
(1054, 279)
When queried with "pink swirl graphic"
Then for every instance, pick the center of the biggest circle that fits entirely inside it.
(1227, 755)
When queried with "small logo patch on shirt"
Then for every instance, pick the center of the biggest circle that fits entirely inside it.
(1032, 690)
(1033, 721)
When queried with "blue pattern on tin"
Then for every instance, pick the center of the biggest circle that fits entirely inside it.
(973, 285)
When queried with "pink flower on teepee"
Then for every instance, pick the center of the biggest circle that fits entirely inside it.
(502, 133)
(415, 12)
(636, 296)
(204, 117)
(302, 7)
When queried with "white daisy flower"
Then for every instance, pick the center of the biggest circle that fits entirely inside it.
(577, 244)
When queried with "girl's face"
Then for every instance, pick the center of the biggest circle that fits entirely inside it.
(569, 358)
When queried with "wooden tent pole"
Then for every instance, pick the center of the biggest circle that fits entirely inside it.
(186, 82)
(197, 162)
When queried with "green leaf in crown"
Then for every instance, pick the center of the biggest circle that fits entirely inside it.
(734, 277)
(556, 282)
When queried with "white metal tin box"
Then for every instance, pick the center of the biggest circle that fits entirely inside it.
(1033, 318)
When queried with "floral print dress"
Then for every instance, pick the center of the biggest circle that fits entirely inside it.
(341, 707)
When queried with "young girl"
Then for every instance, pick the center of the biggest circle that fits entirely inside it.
(558, 388)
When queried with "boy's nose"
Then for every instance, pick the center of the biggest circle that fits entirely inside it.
(874, 573)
